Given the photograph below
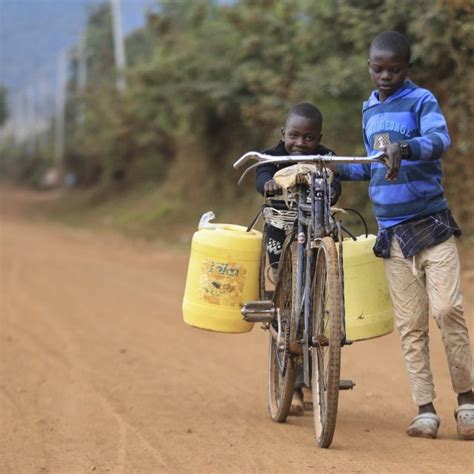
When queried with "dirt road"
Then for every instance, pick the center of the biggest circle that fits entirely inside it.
(99, 373)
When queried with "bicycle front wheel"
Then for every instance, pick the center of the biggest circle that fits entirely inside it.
(326, 341)
(281, 364)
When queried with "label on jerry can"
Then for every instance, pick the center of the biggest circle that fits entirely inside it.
(222, 283)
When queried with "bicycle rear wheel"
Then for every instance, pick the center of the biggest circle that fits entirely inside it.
(281, 364)
(326, 338)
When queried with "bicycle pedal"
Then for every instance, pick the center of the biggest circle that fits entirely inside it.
(259, 311)
(346, 384)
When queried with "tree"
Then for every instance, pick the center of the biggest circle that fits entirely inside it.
(217, 78)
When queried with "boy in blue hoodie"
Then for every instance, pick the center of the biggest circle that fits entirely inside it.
(416, 228)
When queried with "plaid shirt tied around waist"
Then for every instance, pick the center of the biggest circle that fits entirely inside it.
(417, 235)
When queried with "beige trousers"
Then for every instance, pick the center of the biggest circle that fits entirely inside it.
(429, 281)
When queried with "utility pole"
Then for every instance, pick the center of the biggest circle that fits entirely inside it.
(81, 75)
(30, 121)
(119, 44)
(16, 101)
(21, 118)
(82, 63)
(44, 110)
(60, 112)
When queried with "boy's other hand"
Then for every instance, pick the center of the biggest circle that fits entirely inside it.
(334, 167)
(271, 187)
(392, 161)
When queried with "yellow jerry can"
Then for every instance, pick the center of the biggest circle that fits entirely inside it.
(368, 304)
(222, 275)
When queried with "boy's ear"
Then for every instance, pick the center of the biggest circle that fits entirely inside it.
(320, 137)
(282, 131)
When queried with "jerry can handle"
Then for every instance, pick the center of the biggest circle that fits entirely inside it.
(205, 221)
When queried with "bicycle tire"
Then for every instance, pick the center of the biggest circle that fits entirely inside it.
(281, 385)
(326, 334)
(264, 268)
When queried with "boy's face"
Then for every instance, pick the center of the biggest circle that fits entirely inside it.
(388, 70)
(301, 135)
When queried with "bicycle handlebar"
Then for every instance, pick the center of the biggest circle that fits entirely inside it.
(266, 159)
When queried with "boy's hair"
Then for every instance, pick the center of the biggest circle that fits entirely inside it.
(392, 41)
(307, 110)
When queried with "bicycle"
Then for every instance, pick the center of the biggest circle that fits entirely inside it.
(304, 314)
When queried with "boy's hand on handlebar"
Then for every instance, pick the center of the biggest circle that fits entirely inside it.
(333, 167)
(271, 187)
(392, 160)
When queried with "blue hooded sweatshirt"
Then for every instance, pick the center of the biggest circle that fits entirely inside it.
(412, 115)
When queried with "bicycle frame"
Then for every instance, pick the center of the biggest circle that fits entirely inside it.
(312, 224)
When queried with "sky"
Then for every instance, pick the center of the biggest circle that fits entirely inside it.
(33, 32)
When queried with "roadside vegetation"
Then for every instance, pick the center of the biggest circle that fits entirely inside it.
(208, 81)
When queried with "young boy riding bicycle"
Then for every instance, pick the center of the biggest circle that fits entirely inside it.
(301, 135)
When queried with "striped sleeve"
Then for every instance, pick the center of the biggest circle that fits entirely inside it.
(354, 172)
(434, 140)
(357, 172)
